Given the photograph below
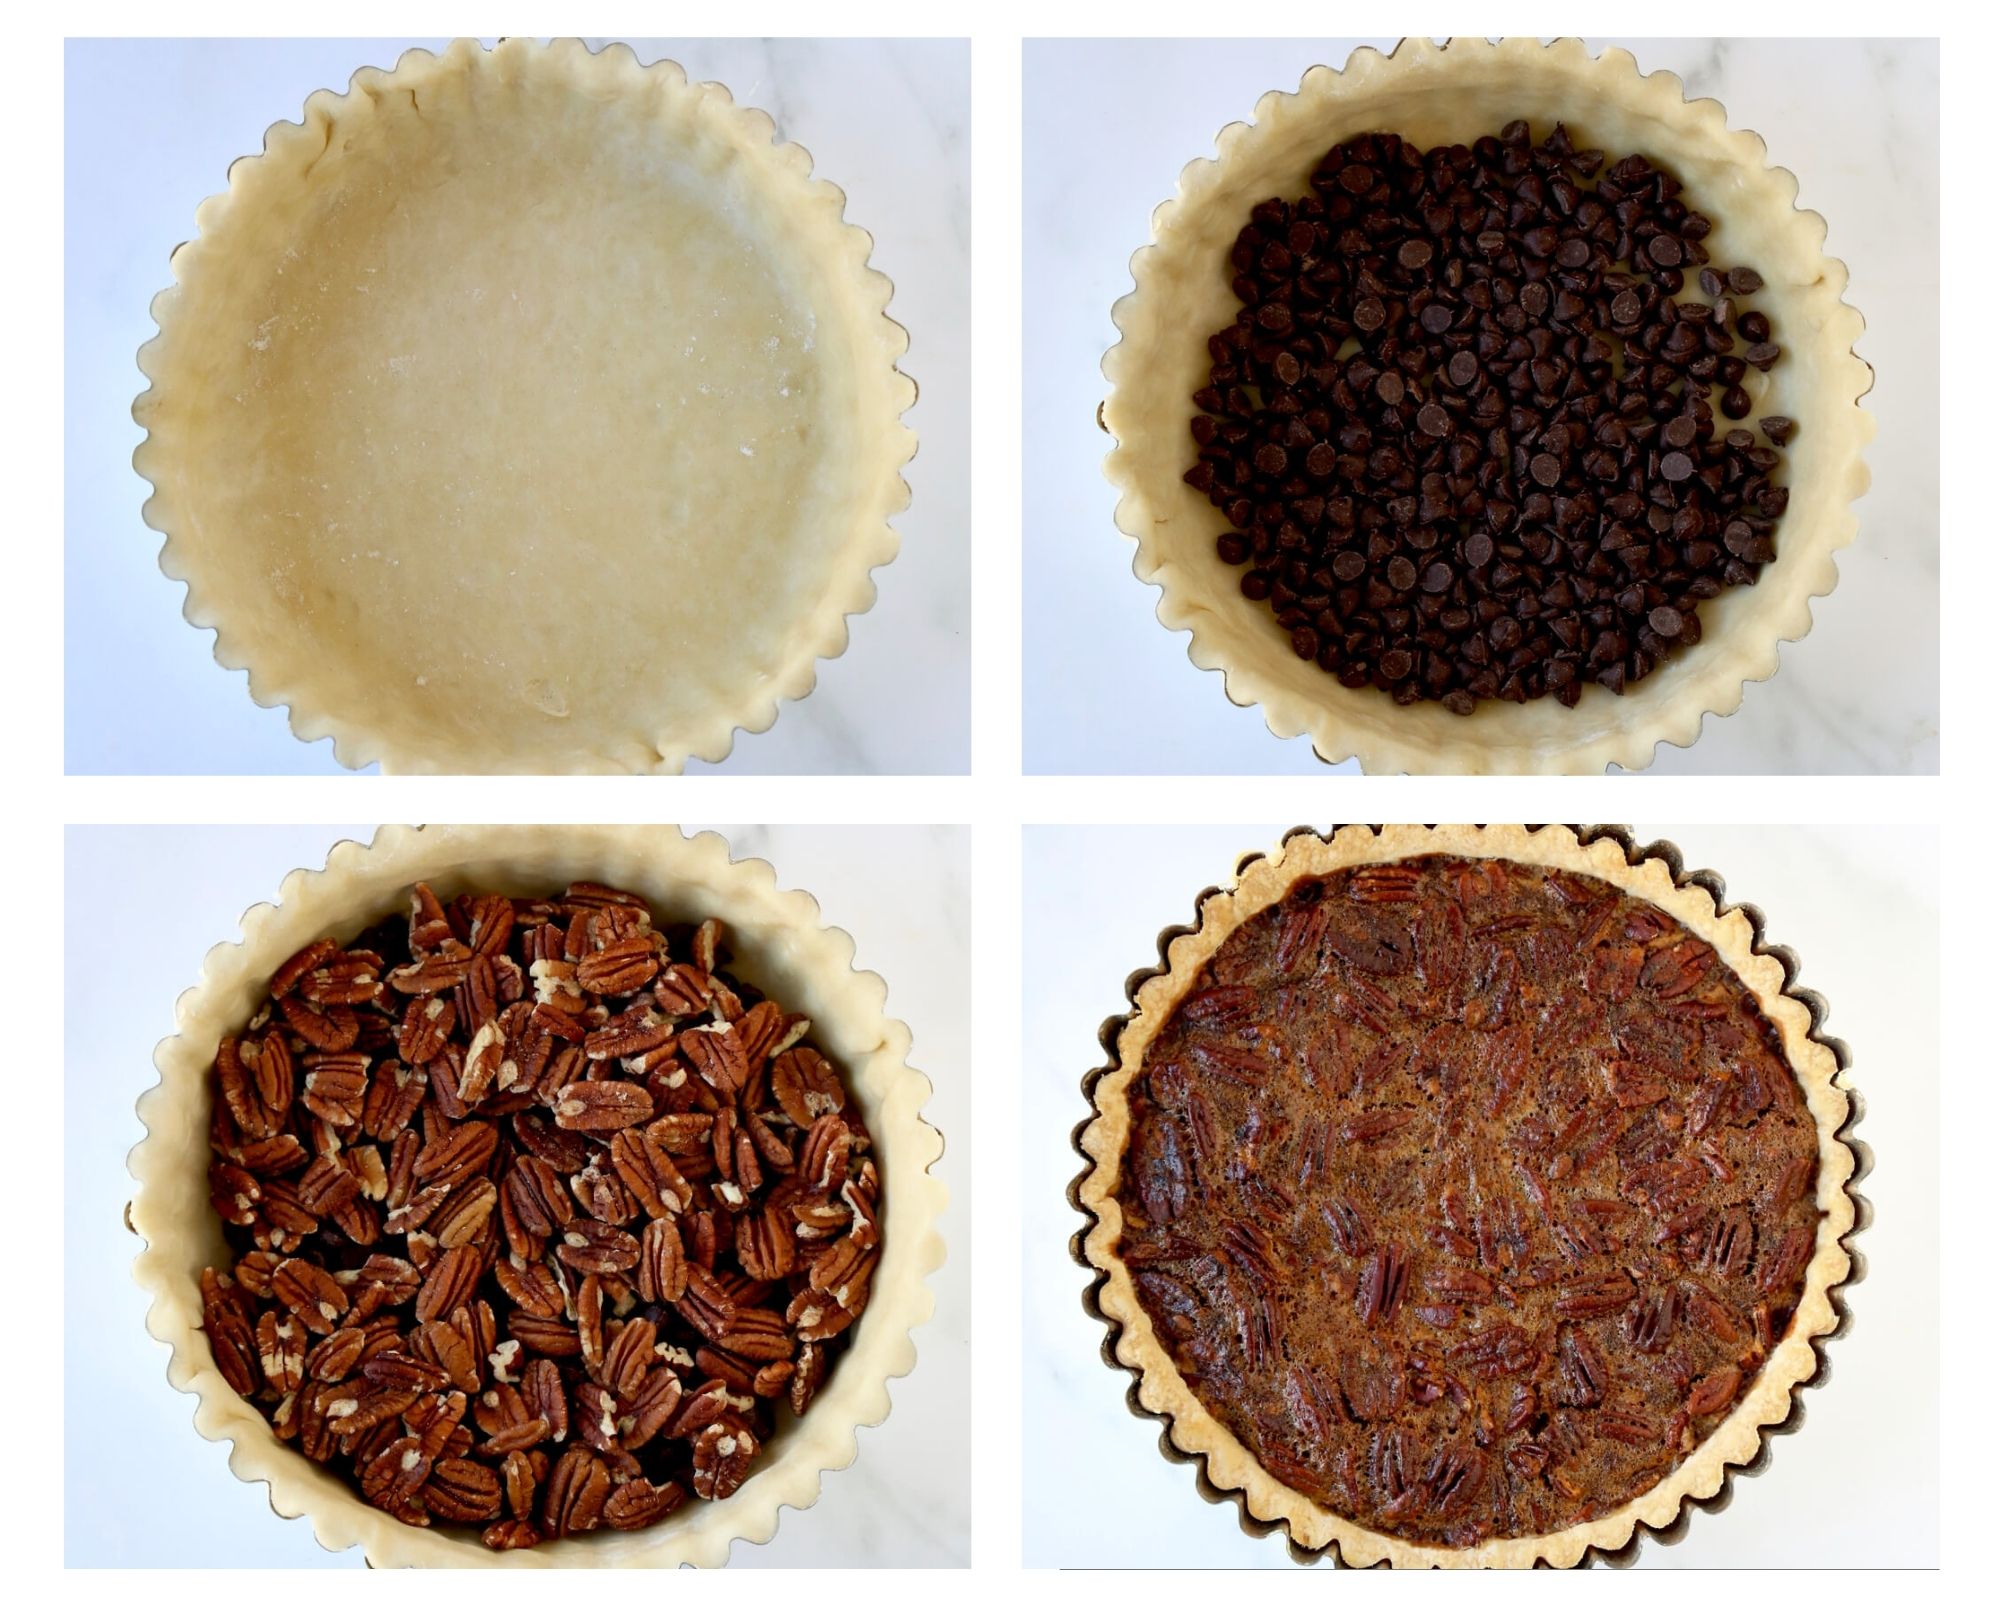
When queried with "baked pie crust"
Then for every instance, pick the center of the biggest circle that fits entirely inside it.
(525, 409)
(1430, 94)
(778, 941)
(1227, 1466)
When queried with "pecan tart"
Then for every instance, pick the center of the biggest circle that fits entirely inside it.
(1486, 407)
(545, 1233)
(525, 409)
(1468, 1197)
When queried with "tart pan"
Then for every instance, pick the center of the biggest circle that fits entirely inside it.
(1224, 1470)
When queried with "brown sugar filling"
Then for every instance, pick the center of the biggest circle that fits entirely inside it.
(1470, 1196)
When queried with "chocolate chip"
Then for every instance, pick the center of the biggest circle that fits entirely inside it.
(1369, 315)
(1680, 432)
(1665, 250)
(1762, 356)
(1434, 420)
(1675, 466)
(1462, 369)
(1573, 254)
(1711, 283)
(1753, 327)
(1389, 389)
(1627, 307)
(1744, 280)
(1778, 430)
(1415, 254)
(1665, 621)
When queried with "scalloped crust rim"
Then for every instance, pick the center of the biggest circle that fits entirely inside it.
(781, 944)
(853, 299)
(1430, 93)
(1225, 1468)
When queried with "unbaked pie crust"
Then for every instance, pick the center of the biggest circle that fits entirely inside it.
(1433, 94)
(1232, 1469)
(780, 944)
(525, 409)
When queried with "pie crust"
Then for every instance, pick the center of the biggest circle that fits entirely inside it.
(1227, 1467)
(780, 943)
(1432, 94)
(525, 409)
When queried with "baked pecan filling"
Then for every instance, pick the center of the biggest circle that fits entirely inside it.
(1469, 1196)
(538, 1214)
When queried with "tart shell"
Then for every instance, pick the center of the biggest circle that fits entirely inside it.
(1225, 1468)
(1431, 93)
(525, 410)
(780, 943)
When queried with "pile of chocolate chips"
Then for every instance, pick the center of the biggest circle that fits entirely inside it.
(1462, 427)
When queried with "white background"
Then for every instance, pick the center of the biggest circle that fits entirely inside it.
(152, 126)
(1107, 127)
(1096, 1490)
(174, 893)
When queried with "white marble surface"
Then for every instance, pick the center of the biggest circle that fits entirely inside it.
(1108, 125)
(152, 125)
(1859, 906)
(175, 892)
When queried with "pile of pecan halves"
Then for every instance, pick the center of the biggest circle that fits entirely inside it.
(537, 1213)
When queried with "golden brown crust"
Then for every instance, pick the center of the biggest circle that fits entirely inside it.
(1227, 1463)
(1429, 94)
(525, 409)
